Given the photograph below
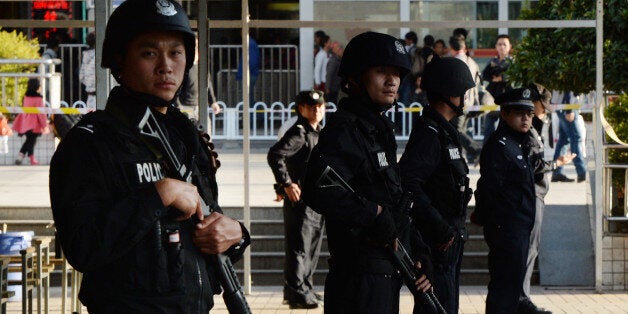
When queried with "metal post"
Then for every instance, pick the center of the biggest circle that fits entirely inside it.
(246, 139)
(598, 143)
(102, 11)
(203, 61)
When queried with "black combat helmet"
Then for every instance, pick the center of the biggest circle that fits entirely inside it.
(447, 77)
(519, 98)
(372, 49)
(134, 17)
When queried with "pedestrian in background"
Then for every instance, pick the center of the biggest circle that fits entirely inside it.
(363, 219)
(87, 71)
(5, 132)
(303, 226)
(505, 199)
(139, 237)
(458, 47)
(30, 125)
(570, 131)
(320, 64)
(434, 171)
(333, 80)
(440, 48)
(497, 80)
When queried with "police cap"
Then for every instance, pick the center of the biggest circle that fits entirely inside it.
(372, 49)
(447, 77)
(522, 98)
(135, 17)
(311, 97)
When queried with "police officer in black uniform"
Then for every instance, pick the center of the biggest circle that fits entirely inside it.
(433, 169)
(541, 98)
(138, 237)
(358, 144)
(303, 226)
(505, 199)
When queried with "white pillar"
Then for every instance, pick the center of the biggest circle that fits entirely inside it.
(502, 15)
(306, 44)
(404, 15)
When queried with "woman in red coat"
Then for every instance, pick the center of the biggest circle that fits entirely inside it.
(31, 125)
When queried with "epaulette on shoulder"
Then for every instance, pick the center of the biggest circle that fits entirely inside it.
(89, 121)
(503, 141)
(431, 124)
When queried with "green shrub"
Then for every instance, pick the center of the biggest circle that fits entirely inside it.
(16, 46)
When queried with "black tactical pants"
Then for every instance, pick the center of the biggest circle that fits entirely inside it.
(348, 291)
(303, 237)
(446, 281)
(508, 253)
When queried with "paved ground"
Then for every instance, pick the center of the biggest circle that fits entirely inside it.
(267, 300)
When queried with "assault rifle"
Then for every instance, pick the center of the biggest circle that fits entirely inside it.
(400, 257)
(233, 294)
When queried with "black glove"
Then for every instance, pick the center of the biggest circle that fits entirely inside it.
(402, 220)
(427, 268)
(383, 230)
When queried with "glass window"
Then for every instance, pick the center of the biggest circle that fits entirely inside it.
(442, 11)
(356, 11)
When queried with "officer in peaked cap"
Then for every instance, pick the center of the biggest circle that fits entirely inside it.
(303, 226)
(505, 199)
(363, 219)
(313, 97)
(541, 98)
(138, 236)
(433, 169)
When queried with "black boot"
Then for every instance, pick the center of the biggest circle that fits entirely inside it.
(527, 307)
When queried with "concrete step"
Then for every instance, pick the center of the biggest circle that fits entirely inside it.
(275, 243)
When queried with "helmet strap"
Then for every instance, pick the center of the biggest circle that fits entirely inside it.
(459, 110)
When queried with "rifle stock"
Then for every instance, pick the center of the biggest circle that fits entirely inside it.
(400, 257)
(233, 295)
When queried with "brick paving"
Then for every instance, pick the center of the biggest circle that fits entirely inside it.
(267, 300)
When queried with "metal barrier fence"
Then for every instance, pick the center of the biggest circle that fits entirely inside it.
(278, 78)
(266, 120)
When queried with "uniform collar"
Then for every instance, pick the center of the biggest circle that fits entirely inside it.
(431, 113)
(306, 124)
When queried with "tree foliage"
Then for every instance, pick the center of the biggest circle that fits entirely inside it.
(564, 58)
(16, 46)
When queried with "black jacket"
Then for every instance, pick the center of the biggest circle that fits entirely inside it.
(433, 169)
(505, 193)
(112, 223)
(288, 157)
(360, 146)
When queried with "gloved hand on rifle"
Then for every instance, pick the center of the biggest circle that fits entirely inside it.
(421, 254)
(383, 231)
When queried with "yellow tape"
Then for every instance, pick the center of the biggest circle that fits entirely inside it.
(44, 110)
